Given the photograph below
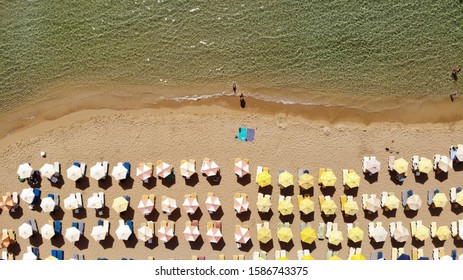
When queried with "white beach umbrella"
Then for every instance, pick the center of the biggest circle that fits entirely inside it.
(169, 205)
(446, 258)
(241, 168)
(119, 172)
(47, 171)
(47, 231)
(25, 170)
(191, 233)
(373, 166)
(123, 232)
(379, 234)
(190, 205)
(241, 204)
(165, 233)
(414, 202)
(145, 233)
(187, 169)
(27, 195)
(401, 234)
(25, 230)
(97, 172)
(47, 204)
(70, 202)
(74, 173)
(98, 233)
(94, 202)
(372, 204)
(146, 206)
(242, 235)
(163, 169)
(144, 171)
(459, 153)
(214, 235)
(72, 234)
(29, 256)
(210, 168)
(212, 203)
(444, 164)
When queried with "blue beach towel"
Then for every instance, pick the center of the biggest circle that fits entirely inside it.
(242, 131)
(250, 135)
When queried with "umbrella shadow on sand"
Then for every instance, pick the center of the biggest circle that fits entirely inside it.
(214, 180)
(376, 245)
(175, 215)
(305, 192)
(349, 218)
(371, 178)
(286, 245)
(168, 182)
(14, 248)
(435, 211)
(328, 218)
(58, 214)
(108, 242)
(82, 243)
(351, 191)
(458, 242)
(266, 246)
(193, 180)
(417, 243)
(288, 191)
(307, 218)
(266, 190)
(397, 244)
(153, 216)
(18, 213)
(266, 216)
(335, 247)
(83, 183)
(57, 241)
(389, 213)
(456, 208)
(131, 242)
(36, 240)
(370, 215)
(196, 215)
(81, 215)
(172, 244)
(422, 178)
(306, 246)
(245, 180)
(127, 214)
(217, 215)
(219, 245)
(59, 183)
(246, 247)
(287, 218)
(127, 183)
(438, 243)
(197, 244)
(154, 243)
(441, 176)
(105, 183)
(152, 182)
(244, 216)
(410, 213)
(327, 191)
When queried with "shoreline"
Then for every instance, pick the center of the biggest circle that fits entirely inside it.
(122, 98)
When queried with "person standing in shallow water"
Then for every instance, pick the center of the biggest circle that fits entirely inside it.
(455, 72)
(242, 101)
(234, 87)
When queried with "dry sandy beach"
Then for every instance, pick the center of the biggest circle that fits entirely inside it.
(202, 129)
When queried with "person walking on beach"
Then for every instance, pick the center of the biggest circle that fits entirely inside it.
(234, 87)
(242, 101)
(455, 71)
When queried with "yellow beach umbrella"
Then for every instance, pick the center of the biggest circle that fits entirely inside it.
(51, 258)
(439, 200)
(264, 235)
(120, 204)
(400, 165)
(285, 179)
(264, 203)
(307, 258)
(443, 233)
(334, 258)
(351, 207)
(264, 179)
(422, 233)
(335, 237)
(352, 180)
(459, 198)
(425, 165)
(392, 202)
(329, 207)
(308, 235)
(328, 179)
(306, 181)
(282, 259)
(285, 207)
(285, 234)
(306, 205)
(355, 234)
(358, 257)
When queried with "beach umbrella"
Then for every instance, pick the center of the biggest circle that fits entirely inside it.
(29, 256)
(422, 233)
(70, 202)
(97, 172)
(355, 234)
(306, 205)
(372, 204)
(459, 197)
(425, 165)
(165, 233)
(264, 235)
(282, 259)
(264, 179)
(72, 234)
(144, 171)
(120, 204)
(459, 153)
(308, 235)
(444, 163)
(119, 172)
(446, 258)
(94, 202)
(285, 179)
(400, 165)
(264, 203)
(241, 204)
(328, 179)
(145, 233)
(187, 169)
(24, 170)
(358, 257)
(210, 168)
(168, 205)
(379, 234)
(351, 207)
(27, 195)
(392, 202)
(98, 233)
(214, 235)
(285, 207)
(352, 180)
(145, 206)
(5, 240)
(123, 232)
(335, 237)
(47, 204)
(47, 171)
(242, 235)
(212, 203)
(443, 233)
(334, 258)
(414, 202)
(190, 205)
(307, 258)
(163, 169)
(306, 181)
(285, 234)
(241, 168)
(329, 207)
(401, 234)
(74, 173)
(373, 166)
(439, 200)
(51, 258)
(25, 230)
(191, 233)
(47, 231)
(6, 202)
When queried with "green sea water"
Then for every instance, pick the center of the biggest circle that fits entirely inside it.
(355, 47)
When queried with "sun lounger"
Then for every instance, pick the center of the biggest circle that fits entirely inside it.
(433, 229)
(454, 228)
(79, 199)
(351, 253)
(453, 194)
(436, 160)
(413, 228)
(81, 227)
(364, 164)
(250, 134)
(435, 254)
(454, 254)
(57, 227)
(380, 255)
(344, 176)
(414, 254)
(364, 200)
(130, 224)
(392, 227)
(430, 196)
(371, 227)
(329, 229)
(404, 198)
(105, 168)
(384, 196)
(394, 254)
(321, 231)
(390, 163)
(349, 227)
(343, 202)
